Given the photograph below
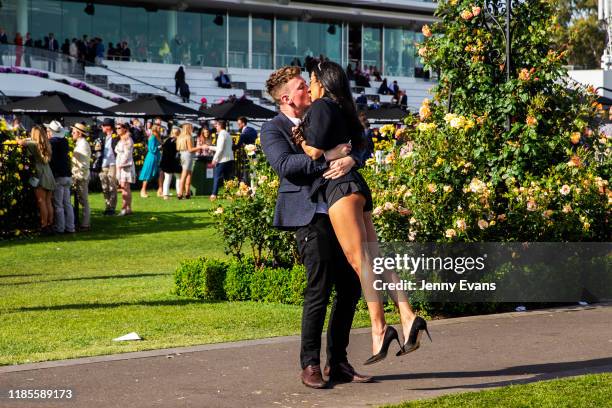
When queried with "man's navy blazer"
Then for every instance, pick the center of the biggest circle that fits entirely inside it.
(297, 172)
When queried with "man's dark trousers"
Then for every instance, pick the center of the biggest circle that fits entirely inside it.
(326, 267)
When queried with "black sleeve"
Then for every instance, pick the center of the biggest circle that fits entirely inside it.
(318, 128)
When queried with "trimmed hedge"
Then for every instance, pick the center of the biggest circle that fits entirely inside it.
(201, 278)
(279, 285)
(240, 280)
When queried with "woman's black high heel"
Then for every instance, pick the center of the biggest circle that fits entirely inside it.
(414, 339)
(390, 335)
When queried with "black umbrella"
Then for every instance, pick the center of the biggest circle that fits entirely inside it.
(152, 106)
(234, 110)
(54, 103)
(386, 114)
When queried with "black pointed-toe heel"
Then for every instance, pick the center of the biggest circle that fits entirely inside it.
(414, 339)
(390, 335)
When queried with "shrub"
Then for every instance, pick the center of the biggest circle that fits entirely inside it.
(246, 217)
(18, 212)
(238, 279)
(201, 278)
(495, 159)
(279, 285)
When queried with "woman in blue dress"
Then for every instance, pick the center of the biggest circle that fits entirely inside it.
(150, 168)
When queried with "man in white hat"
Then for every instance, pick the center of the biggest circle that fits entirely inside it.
(60, 166)
(80, 170)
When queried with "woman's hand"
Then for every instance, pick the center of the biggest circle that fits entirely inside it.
(338, 152)
(339, 168)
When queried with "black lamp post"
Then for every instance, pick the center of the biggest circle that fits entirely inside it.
(491, 11)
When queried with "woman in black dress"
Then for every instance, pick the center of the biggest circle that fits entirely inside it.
(332, 120)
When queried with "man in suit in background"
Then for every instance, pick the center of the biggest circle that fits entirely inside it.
(326, 265)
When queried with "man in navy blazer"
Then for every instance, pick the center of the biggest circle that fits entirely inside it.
(326, 265)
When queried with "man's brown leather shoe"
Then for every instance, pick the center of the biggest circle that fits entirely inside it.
(311, 377)
(344, 372)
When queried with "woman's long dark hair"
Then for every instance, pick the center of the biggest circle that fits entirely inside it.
(337, 87)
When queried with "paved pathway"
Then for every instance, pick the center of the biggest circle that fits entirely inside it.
(467, 354)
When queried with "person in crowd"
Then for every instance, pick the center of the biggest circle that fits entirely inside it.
(350, 73)
(104, 164)
(65, 48)
(203, 104)
(184, 145)
(169, 163)
(39, 148)
(179, 79)
(53, 46)
(295, 62)
(223, 80)
(137, 131)
(248, 135)
(16, 126)
(204, 139)
(126, 53)
(150, 168)
(164, 51)
(60, 166)
(185, 92)
(3, 44)
(403, 98)
(111, 54)
(376, 74)
(368, 134)
(126, 171)
(223, 160)
(383, 89)
(395, 89)
(80, 171)
(99, 51)
(18, 49)
(29, 44)
(73, 51)
(362, 100)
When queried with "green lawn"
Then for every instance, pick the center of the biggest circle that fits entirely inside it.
(586, 391)
(69, 296)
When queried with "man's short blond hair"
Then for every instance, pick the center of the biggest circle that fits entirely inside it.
(279, 78)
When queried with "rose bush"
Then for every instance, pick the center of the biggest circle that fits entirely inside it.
(18, 213)
(247, 214)
(463, 176)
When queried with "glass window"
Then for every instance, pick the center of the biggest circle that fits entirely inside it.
(399, 52)
(134, 28)
(8, 18)
(162, 44)
(262, 43)
(372, 46)
(298, 39)
(105, 24)
(45, 18)
(189, 32)
(238, 42)
(75, 23)
(214, 40)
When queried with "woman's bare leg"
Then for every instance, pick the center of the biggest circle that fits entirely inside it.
(346, 216)
(181, 191)
(41, 202)
(188, 184)
(400, 298)
(160, 183)
(143, 190)
(50, 213)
